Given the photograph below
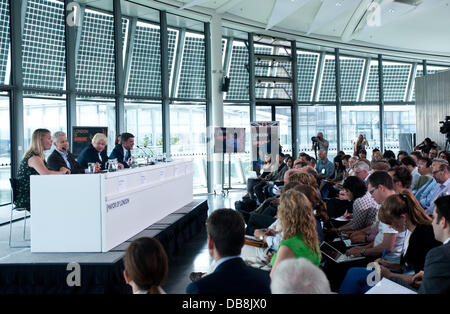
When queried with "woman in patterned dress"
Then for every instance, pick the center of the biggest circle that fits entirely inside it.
(33, 163)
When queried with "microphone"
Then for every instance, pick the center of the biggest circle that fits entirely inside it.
(147, 155)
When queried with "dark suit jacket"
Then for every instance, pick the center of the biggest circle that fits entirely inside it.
(436, 277)
(90, 154)
(55, 161)
(117, 152)
(232, 277)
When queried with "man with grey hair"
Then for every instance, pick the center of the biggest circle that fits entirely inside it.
(61, 156)
(361, 170)
(299, 276)
(441, 173)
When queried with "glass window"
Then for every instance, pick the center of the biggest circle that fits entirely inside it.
(283, 115)
(192, 82)
(144, 121)
(4, 41)
(351, 76)
(357, 120)
(398, 119)
(188, 138)
(5, 151)
(314, 119)
(372, 90)
(307, 67)
(263, 113)
(328, 80)
(238, 73)
(281, 69)
(44, 45)
(43, 113)
(95, 63)
(262, 68)
(98, 113)
(145, 69)
(395, 80)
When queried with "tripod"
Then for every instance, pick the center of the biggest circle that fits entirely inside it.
(447, 145)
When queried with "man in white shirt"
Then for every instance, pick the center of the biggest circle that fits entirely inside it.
(441, 173)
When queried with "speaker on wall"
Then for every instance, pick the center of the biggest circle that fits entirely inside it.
(225, 84)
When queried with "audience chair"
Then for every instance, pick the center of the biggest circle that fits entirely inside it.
(14, 208)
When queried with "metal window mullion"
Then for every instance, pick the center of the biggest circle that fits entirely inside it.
(381, 100)
(177, 63)
(129, 52)
(425, 67)
(227, 57)
(294, 110)
(164, 45)
(319, 73)
(412, 76)
(365, 80)
(251, 73)
(16, 11)
(337, 68)
(209, 105)
(118, 66)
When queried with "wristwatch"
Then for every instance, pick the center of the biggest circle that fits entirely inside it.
(261, 237)
(362, 252)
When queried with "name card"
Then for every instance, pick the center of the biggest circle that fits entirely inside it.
(122, 185)
(162, 174)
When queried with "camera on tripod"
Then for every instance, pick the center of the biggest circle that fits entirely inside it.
(445, 128)
(315, 139)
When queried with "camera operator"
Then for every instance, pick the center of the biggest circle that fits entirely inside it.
(427, 144)
(319, 142)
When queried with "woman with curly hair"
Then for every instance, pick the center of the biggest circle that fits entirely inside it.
(299, 229)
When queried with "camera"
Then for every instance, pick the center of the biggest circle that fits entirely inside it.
(314, 139)
(445, 128)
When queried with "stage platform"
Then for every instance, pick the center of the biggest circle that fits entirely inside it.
(24, 272)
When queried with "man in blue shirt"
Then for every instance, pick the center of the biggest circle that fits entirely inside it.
(324, 167)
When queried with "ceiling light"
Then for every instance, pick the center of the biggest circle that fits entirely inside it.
(339, 4)
(391, 11)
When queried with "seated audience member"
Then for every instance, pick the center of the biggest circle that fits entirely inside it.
(95, 153)
(401, 154)
(441, 173)
(61, 156)
(298, 164)
(146, 266)
(312, 162)
(362, 154)
(426, 152)
(299, 276)
(352, 162)
(411, 165)
(403, 213)
(365, 208)
(324, 167)
(426, 174)
(122, 151)
(376, 156)
(388, 155)
(299, 229)
(402, 178)
(433, 153)
(346, 163)
(117, 140)
(444, 155)
(416, 156)
(226, 230)
(251, 182)
(381, 165)
(289, 162)
(435, 278)
(361, 170)
(427, 143)
(33, 163)
(276, 175)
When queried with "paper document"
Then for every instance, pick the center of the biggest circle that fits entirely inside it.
(386, 286)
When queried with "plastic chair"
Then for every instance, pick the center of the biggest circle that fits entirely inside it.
(14, 208)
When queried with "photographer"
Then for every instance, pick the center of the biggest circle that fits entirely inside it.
(427, 144)
(360, 144)
(319, 142)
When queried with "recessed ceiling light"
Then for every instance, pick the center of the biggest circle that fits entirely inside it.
(391, 11)
(338, 4)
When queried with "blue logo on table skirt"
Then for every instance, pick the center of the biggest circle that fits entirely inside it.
(117, 204)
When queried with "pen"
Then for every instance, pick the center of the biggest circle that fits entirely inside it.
(384, 253)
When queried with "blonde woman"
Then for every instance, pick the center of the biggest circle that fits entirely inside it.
(33, 163)
(299, 229)
(360, 143)
(96, 152)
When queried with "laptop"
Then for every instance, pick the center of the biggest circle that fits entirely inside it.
(335, 255)
(347, 242)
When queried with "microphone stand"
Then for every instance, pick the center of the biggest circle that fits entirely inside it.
(148, 157)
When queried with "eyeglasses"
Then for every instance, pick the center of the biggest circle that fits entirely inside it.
(371, 191)
(434, 172)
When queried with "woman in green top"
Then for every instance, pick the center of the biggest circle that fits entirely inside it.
(298, 225)
(33, 163)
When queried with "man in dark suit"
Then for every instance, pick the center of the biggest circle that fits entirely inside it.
(435, 277)
(226, 230)
(61, 156)
(122, 151)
